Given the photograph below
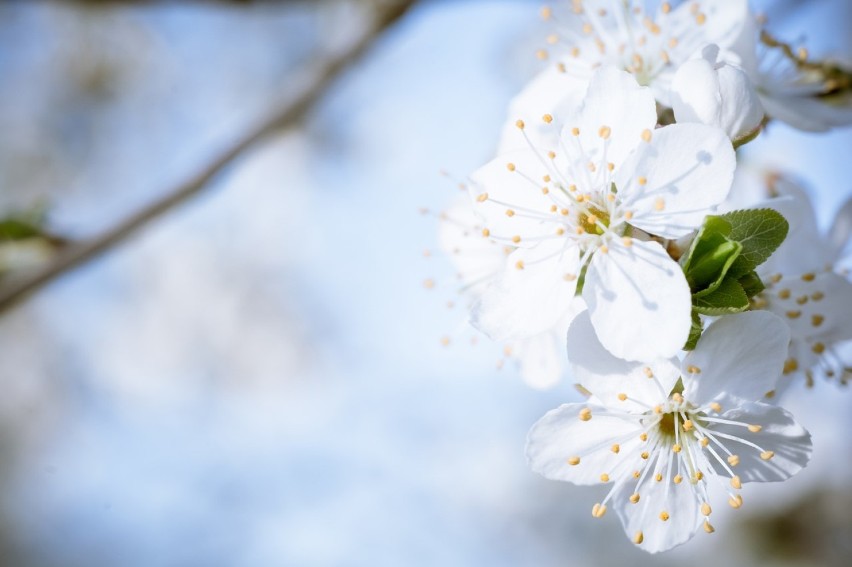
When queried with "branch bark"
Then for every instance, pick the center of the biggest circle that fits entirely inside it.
(16, 288)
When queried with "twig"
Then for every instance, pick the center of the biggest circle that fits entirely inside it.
(14, 289)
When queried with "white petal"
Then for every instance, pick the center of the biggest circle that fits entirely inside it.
(677, 500)
(510, 199)
(739, 355)
(477, 259)
(615, 100)
(638, 300)
(533, 293)
(779, 433)
(550, 92)
(542, 357)
(805, 113)
(742, 112)
(687, 169)
(827, 318)
(841, 228)
(561, 434)
(606, 376)
(696, 96)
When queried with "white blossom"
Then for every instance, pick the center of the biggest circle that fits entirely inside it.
(590, 203)
(665, 433)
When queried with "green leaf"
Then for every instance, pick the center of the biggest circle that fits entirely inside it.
(695, 331)
(729, 297)
(17, 229)
(752, 284)
(710, 256)
(760, 231)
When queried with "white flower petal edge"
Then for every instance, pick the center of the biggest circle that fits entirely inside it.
(663, 458)
(639, 300)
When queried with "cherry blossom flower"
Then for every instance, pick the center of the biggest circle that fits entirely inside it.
(803, 287)
(478, 262)
(587, 206)
(664, 433)
(651, 46)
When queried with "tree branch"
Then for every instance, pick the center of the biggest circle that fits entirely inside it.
(15, 288)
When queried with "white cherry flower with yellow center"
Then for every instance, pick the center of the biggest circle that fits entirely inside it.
(588, 207)
(665, 433)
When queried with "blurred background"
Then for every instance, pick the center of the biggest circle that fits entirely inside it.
(259, 376)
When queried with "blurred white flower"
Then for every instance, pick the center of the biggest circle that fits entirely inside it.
(710, 91)
(586, 208)
(805, 288)
(651, 46)
(663, 432)
(479, 261)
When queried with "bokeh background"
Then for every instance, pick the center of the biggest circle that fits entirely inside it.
(260, 377)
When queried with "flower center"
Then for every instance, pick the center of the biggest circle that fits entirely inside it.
(594, 220)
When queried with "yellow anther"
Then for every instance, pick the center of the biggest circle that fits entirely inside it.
(708, 527)
(818, 348)
(510, 213)
(817, 295)
(658, 477)
(704, 441)
(817, 320)
(572, 188)
(520, 124)
(735, 501)
(642, 180)
(604, 132)
(627, 241)
(585, 414)
(659, 204)
(604, 477)
(700, 19)
(677, 397)
(802, 299)
(638, 538)
(766, 455)
(802, 53)
(516, 239)
(551, 154)
(673, 43)
(569, 277)
(733, 460)
(573, 461)
(634, 498)
(547, 118)
(676, 448)
(664, 516)
(561, 67)
(716, 406)
(519, 265)
(622, 396)
(736, 482)
(790, 365)
(615, 448)
(587, 28)
(553, 208)
(575, 131)
(575, 52)
(610, 166)
(776, 278)
(592, 167)
(429, 283)
(510, 166)
(755, 428)
(545, 190)
(646, 135)
(706, 510)
(677, 479)
(552, 39)
(648, 372)
(541, 54)
(794, 314)
(644, 455)
(692, 369)
(809, 277)
(603, 250)
(560, 231)
(628, 215)
(784, 293)
(688, 425)
(546, 13)
(486, 233)
(666, 8)
(482, 197)
(636, 474)
(658, 409)
(643, 436)
(598, 510)
(564, 212)
(697, 476)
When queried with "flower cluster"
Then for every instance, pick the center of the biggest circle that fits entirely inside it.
(606, 222)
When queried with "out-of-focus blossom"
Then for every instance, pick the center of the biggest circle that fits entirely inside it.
(664, 432)
(586, 207)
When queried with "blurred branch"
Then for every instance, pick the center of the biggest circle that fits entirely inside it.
(15, 288)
